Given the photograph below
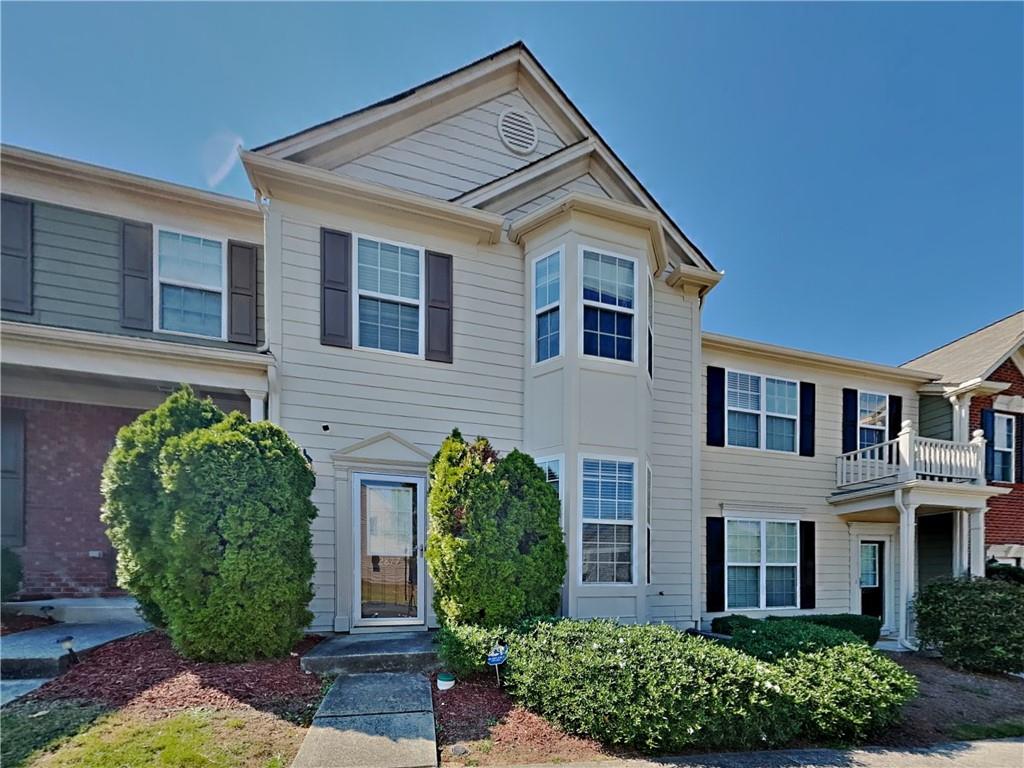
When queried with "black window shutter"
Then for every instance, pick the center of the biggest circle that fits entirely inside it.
(16, 247)
(988, 426)
(438, 346)
(716, 564)
(850, 419)
(806, 564)
(136, 275)
(806, 418)
(716, 405)
(335, 288)
(242, 293)
(12, 497)
(895, 416)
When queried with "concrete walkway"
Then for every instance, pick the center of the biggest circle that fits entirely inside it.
(379, 719)
(1000, 753)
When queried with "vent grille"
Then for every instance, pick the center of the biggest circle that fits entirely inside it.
(517, 131)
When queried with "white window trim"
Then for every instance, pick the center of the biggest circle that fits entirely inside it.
(648, 508)
(580, 521)
(420, 303)
(763, 564)
(560, 250)
(1012, 450)
(763, 414)
(650, 327)
(884, 428)
(600, 305)
(158, 281)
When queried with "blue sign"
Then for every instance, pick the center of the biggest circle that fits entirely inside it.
(497, 655)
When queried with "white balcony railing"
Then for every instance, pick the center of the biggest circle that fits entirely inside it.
(910, 457)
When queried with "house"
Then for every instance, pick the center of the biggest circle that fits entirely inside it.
(981, 386)
(472, 254)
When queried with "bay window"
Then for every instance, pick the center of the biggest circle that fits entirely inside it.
(608, 305)
(607, 518)
(190, 276)
(762, 561)
(547, 293)
(389, 307)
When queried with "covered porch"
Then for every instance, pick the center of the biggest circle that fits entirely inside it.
(915, 508)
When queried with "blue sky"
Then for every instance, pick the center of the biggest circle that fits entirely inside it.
(856, 169)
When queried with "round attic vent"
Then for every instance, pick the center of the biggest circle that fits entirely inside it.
(517, 131)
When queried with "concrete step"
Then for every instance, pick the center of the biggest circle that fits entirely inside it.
(38, 653)
(376, 652)
(80, 610)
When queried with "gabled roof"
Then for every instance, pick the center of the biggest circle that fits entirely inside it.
(356, 133)
(976, 355)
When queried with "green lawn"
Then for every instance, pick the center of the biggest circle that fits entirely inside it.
(62, 735)
(1004, 729)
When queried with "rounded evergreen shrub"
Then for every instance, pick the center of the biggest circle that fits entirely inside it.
(975, 624)
(726, 625)
(135, 507)
(238, 561)
(847, 692)
(463, 648)
(495, 547)
(774, 640)
(10, 573)
(868, 628)
(649, 687)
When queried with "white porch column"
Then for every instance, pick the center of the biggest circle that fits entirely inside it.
(977, 517)
(961, 417)
(908, 568)
(257, 411)
(962, 557)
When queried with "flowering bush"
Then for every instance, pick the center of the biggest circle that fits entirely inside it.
(649, 687)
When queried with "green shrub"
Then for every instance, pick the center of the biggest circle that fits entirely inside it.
(868, 628)
(495, 546)
(847, 692)
(238, 559)
(1004, 572)
(463, 648)
(976, 624)
(774, 640)
(10, 573)
(135, 507)
(649, 687)
(726, 625)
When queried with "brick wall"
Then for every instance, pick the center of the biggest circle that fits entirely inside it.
(1004, 521)
(65, 447)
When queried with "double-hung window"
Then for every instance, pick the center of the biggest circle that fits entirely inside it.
(762, 563)
(190, 285)
(608, 296)
(389, 309)
(873, 418)
(1005, 438)
(547, 293)
(608, 516)
(761, 412)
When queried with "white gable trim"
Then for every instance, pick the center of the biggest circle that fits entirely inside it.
(385, 449)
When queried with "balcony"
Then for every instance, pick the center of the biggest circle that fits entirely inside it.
(912, 457)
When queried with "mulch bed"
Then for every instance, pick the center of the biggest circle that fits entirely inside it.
(145, 671)
(949, 698)
(17, 622)
(483, 717)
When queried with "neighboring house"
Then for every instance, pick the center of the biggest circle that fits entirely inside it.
(115, 288)
(981, 386)
(471, 254)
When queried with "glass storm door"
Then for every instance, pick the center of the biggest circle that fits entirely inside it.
(389, 549)
(872, 579)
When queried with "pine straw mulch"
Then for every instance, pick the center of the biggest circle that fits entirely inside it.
(19, 622)
(485, 719)
(144, 671)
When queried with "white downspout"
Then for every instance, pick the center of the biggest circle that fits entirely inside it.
(265, 346)
(907, 543)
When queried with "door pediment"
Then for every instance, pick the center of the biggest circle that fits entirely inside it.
(383, 450)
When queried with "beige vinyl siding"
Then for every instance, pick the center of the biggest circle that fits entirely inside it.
(586, 184)
(670, 592)
(454, 156)
(361, 393)
(787, 483)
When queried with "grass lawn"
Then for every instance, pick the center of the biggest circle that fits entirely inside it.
(136, 704)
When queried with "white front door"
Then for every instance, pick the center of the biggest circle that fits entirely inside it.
(389, 525)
